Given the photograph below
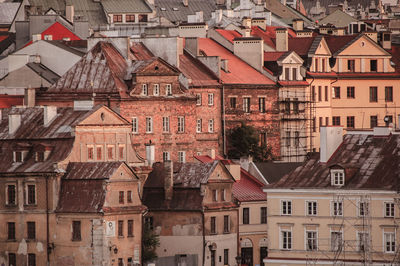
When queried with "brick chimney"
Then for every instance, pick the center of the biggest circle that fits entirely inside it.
(29, 98)
(373, 35)
(150, 153)
(330, 139)
(169, 180)
(246, 22)
(386, 40)
(281, 39)
(14, 122)
(298, 24)
(49, 112)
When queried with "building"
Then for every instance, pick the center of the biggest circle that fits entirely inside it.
(340, 206)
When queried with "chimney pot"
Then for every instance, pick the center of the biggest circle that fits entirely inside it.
(331, 138)
(185, 2)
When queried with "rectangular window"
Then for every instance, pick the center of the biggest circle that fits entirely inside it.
(11, 230)
(199, 126)
(120, 262)
(336, 241)
(12, 259)
(223, 194)
(211, 125)
(326, 93)
(286, 207)
(149, 124)
(165, 124)
(11, 195)
(129, 196)
(313, 93)
(135, 128)
(261, 104)
(287, 73)
(336, 92)
(39, 156)
(263, 139)
(286, 239)
(263, 215)
(350, 121)
(130, 18)
(121, 197)
(215, 195)
(90, 153)
(246, 104)
(373, 63)
(142, 18)
(320, 122)
(120, 228)
(388, 94)
(336, 120)
(181, 156)
(31, 259)
(31, 197)
(390, 242)
(156, 89)
(226, 256)
(76, 231)
(246, 215)
(323, 64)
(297, 139)
(287, 139)
(121, 149)
(314, 126)
(351, 65)
(373, 94)
(145, 92)
(226, 224)
(211, 99)
(18, 157)
(117, 18)
(350, 93)
(166, 156)
(389, 209)
(319, 93)
(110, 152)
(316, 65)
(294, 73)
(311, 240)
(168, 90)
(130, 228)
(181, 124)
(337, 208)
(362, 239)
(311, 208)
(326, 121)
(287, 105)
(99, 153)
(198, 99)
(295, 105)
(31, 230)
(363, 208)
(232, 102)
(373, 121)
(337, 177)
(148, 222)
(213, 228)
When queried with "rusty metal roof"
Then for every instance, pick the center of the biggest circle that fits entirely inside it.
(369, 162)
(91, 170)
(188, 199)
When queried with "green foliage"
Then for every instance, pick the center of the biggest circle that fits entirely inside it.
(149, 244)
(244, 141)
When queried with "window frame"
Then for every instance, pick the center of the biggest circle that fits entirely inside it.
(314, 240)
(285, 208)
(11, 231)
(350, 122)
(351, 92)
(199, 125)
(30, 230)
(373, 94)
(336, 92)
(181, 156)
(373, 121)
(156, 89)
(31, 258)
(391, 209)
(339, 179)
(213, 225)
(135, 125)
(227, 226)
(181, 124)
(28, 196)
(314, 209)
(232, 102)
(210, 99)
(261, 104)
(130, 228)
(76, 231)
(333, 246)
(211, 126)
(149, 124)
(166, 156)
(246, 215)
(145, 90)
(392, 242)
(168, 90)
(121, 197)
(388, 93)
(288, 238)
(198, 99)
(336, 208)
(246, 104)
(15, 194)
(120, 228)
(263, 215)
(165, 124)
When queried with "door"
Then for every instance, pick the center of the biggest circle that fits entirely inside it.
(263, 254)
(247, 256)
(212, 257)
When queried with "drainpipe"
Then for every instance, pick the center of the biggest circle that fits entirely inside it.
(312, 120)
(223, 121)
(237, 233)
(47, 221)
(204, 237)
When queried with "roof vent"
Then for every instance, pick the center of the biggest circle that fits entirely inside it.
(14, 122)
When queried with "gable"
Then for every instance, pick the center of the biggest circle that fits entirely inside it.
(322, 48)
(123, 173)
(292, 58)
(158, 67)
(58, 32)
(221, 174)
(363, 46)
(104, 116)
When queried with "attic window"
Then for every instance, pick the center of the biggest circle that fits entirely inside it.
(163, 9)
(18, 158)
(40, 156)
(175, 9)
(337, 177)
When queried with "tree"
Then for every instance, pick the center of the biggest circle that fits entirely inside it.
(150, 241)
(244, 141)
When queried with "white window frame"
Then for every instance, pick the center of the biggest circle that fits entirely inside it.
(391, 209)
(16, 193)
(168, 90)
(199, 125)
(198, 99)
(360, 240)
(363, 206)
(166, 156)
(135, 125)
(312, 202)
(285, 211)
(337, 177)
(211, 126)
(181, 156)
(246, 104)
(145, 90)
(210, 99)
(149, 124)
(181, 124)
(331, 243)
(335, 210)
(165, 125)
(306, 231)
(392, 240)
(289, 236)
(156, 89)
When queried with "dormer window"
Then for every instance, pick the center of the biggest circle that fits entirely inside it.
(40, 156)
(18, 158)
(337, 177)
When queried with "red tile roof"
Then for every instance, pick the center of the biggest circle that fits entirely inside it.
(58, 32)
(140, 51)
(300, 45)
(3, 37)
(239, 71)
(273, 56)
(229, 34)
(6, 101)
(335, 43)
(248, 188)
(294, 83)
(269, 35)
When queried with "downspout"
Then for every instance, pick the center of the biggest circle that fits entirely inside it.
(204, 237)
(312, 99)
(237, 233)
(47, 221)
(223, 120)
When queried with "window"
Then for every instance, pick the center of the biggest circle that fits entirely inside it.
(90, 153)
(130, 261)
(350, 121)
(40, 156)
(363, 208)
(373, 121)
(287, 73)
(226, 256)
(311, 207)
(149, 124)
(314, 126)
(311, 240)
(148, 222)
(198, 99)
(120, 228)
(181, 157)
(350, 93)
(326, 93)
(246, 104)
(373, 63)
(320, 122)
(165, 124)
(296, 105)
(181, 124)
(246, 214)
(121, 197)
(336, 92)
(120, 262)
(297, 138)
(336, 241)
(110, 152)
(337, 177)
(199, 125)
(373, 94)
(286, 207)
(31, 230)
(287, 138)
(313, 93)
(129, 196)
(31, 259)
(11, 230)
(12, 259)
(11, 195)
(156, 89)
(261, 104)
(31, 197)
(323, 64)
(319, 93)
(294, 73)
(211, 125)
(326, 121)
(336, 120)
(213, 225)
(390, 242)
(362, 239)
(165, 156)
(232, 102)
(215, 195)
(223, 194)
(388, 94)
(99, 153)
(121, 149)
(286, 236)
(76, 230)
(117, 18)
(142, 18)
(263, 139)
(135, 128)
(287, 105)
(351, 65)
(210, 99)
(145, 92)
(389, 209)
(337, 208)
(263, 215)
(18, 157)
(130, 18)
(226, 224)
(130, 228)
(316, 65)
(168, 90)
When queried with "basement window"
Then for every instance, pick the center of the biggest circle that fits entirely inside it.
(337, 177)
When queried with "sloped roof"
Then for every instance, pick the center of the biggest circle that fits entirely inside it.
(165, 8)
(248, 188)
(101, 70)
(8, 12)
(301, 46)
(183, 199)
(125, 6)
(308, 4)
(336, 43)
(140, 51)
(91, 170)
(338, 18)
(230, 35)
(369, 162)
(284, 12)
(275, 171)
(44, 72)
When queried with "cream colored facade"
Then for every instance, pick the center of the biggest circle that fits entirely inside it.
(290, 232)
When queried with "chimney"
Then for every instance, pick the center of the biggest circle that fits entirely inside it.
(331, 138)
(14, 121)
(281, 39)
(283, 2)
(30, 96)
(234, 169)
(50, 112)
(36, 37)
(228, 4)
(250, 50)
(212, 154)
(298, 24)
(192, 45)
(246, 22)
(70, 13)
(386, 41)
(225, 65)
(185, 2)
(373, 35)
(169, 180)
(260, 22)
(150, 153)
